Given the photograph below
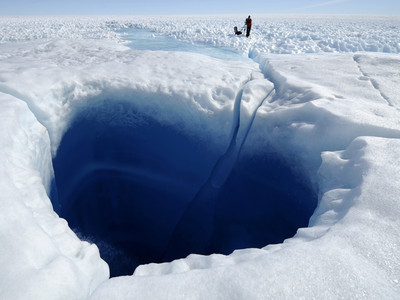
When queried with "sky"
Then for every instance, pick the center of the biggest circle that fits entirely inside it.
(157, 7)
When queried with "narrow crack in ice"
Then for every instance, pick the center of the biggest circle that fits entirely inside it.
(373, 82)
(187, 232)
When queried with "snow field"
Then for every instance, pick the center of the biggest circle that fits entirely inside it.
(311, 105)
(333, 116)
(282, 34)
(279, 34)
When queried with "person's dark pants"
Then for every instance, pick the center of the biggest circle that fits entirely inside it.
(248, 31)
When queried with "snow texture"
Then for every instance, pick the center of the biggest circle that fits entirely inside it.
(320, 91)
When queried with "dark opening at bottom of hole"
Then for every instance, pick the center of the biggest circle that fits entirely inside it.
(126, 188)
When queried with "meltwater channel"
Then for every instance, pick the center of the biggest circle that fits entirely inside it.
(141, 39)
(142, 191)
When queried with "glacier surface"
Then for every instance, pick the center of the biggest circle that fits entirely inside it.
(322, 92)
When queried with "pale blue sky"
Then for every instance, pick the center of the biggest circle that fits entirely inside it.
(46, 7)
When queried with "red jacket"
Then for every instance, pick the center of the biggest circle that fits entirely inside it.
(248, 22)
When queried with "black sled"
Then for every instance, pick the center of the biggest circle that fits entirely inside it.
(237, 32)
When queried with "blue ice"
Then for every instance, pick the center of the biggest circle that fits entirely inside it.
(144, 193)
(142, 39)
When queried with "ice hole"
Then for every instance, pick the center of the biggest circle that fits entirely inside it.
(125, 183)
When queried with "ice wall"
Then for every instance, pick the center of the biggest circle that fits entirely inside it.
(38, 250)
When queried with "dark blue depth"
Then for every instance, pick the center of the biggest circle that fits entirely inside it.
(128, 187)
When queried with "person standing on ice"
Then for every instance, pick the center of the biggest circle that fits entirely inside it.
(248, 23)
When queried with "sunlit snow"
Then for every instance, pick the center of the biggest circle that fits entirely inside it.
(158, 137)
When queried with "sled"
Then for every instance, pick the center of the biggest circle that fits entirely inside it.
(237, 32)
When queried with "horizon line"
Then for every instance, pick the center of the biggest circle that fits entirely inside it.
(201, 14)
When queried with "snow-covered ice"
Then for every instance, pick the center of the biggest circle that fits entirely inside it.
(321, 92)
